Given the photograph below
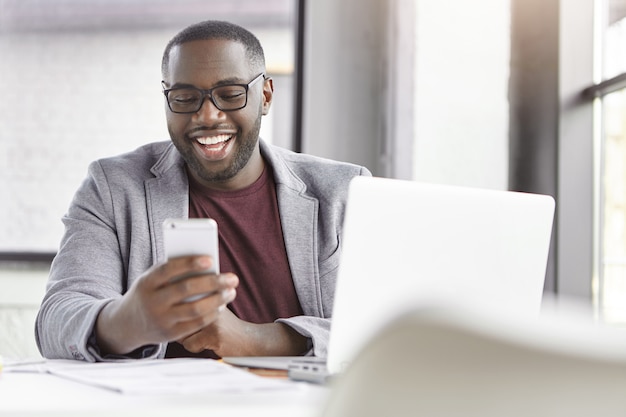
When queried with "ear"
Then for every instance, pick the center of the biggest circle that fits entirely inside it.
(268, 94)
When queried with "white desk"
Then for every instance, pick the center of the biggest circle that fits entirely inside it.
(39, 394)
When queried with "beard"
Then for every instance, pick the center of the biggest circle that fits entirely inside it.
(244, 151)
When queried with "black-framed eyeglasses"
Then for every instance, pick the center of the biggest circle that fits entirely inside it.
(225, 97)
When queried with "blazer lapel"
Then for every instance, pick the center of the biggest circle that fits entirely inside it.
(299, 218)
(299, 222)
(167, 196)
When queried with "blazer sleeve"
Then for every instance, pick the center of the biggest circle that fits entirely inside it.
(316, 329)
(87, 273)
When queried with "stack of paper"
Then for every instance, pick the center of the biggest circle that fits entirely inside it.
(157, 376)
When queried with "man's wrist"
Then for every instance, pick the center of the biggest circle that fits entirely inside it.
(280, 339)
(112, 336)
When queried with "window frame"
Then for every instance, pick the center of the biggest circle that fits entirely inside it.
(576, 211)
(581, 90)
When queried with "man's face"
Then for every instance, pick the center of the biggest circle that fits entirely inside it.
(220, 147)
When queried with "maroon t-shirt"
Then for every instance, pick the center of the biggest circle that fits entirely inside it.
(251, 246)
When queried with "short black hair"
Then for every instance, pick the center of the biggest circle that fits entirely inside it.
(216, 29)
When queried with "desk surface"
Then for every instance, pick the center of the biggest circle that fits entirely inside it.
(37, 394)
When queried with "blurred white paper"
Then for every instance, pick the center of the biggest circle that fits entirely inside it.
(163, 376)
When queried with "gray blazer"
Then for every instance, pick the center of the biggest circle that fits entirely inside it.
(113, 234)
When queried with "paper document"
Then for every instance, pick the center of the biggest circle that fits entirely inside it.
(159, 376)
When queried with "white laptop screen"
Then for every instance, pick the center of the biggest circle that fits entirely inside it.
(407, 244)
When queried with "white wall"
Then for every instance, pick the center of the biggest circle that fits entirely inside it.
(459, 131)
(344, 73)
(70, 97)
(461, 111)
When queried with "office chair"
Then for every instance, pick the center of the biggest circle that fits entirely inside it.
(438, 362)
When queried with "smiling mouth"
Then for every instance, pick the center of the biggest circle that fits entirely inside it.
(213, 140)
(215, 147)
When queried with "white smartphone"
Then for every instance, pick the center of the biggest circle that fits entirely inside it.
(183, 237)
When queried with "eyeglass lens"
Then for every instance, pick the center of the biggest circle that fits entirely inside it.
(189, 100)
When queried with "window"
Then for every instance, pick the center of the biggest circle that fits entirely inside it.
(611, 181)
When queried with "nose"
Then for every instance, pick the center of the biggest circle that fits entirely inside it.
(208, 111)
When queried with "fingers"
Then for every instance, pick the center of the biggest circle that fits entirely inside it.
(183, 279)
(201, 299)
(196, 342)
(204, 310)
(178, 298)
(210, 336)
(200, 286)
(179, 267)
(189, 318)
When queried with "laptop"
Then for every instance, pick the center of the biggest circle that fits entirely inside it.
(408, 244)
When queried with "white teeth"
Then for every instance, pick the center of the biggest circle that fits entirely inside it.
(212, 140)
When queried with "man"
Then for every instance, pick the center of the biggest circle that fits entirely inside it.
(112, 294)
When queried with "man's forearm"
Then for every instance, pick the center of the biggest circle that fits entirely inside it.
(278, 339)
(113, 334)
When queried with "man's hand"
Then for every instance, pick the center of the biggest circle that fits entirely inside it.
(230, 336)
(157, 308)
